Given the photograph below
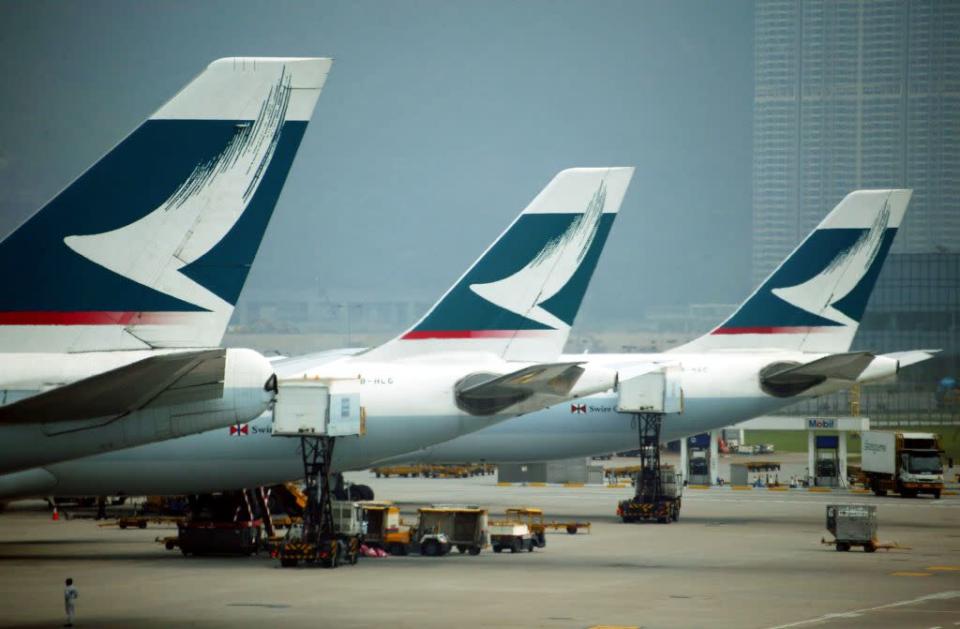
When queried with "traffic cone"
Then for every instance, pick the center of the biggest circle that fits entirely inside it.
(56, 514)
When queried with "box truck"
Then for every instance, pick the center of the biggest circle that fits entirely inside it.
(907, 463)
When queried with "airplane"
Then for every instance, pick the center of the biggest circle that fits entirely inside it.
(789, 340)
(118, 291)
(486, 351)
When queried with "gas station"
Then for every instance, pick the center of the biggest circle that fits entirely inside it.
(826, 447)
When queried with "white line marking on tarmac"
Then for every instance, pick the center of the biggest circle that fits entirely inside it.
(940, 596)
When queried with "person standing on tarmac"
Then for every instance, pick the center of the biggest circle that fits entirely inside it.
(70, 595)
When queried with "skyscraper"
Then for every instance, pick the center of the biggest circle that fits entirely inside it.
(855, 94)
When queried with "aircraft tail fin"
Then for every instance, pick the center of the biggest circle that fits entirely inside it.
(151, 246)
(815, 299)
(520, 298)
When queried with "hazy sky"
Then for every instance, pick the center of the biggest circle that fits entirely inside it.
(439, 122)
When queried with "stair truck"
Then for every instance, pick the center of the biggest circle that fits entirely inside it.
(906, 463)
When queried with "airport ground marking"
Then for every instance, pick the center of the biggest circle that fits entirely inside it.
(907, 573)
(944, 568)
(855, 613)
(741, 487)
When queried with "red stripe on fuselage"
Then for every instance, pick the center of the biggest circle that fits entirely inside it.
(801, 329)
(417, 335)
(83, 317)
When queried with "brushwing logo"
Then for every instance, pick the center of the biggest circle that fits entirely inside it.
(199, 213)
(550, 270)
(840, 276)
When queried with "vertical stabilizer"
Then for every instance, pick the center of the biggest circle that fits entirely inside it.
(520, 298)
(815, 299)
(151, 246)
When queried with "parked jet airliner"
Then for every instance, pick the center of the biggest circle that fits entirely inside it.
(486, 351)
(118, 291)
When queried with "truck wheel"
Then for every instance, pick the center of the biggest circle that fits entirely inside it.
(869, 547)
(936, 494)
(572, 529)
(286, 562)
(430, 548)
(474, 550)
(497, 548)
(142, 524)
(541, 539)
(122, 525)
(516, 546)
(530, 545)
(843, 546)
(169, 545)
(461, 548)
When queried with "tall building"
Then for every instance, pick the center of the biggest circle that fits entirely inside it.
(855, 94)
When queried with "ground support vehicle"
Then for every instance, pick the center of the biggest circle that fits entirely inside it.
(514, 536)
(231, 523)
(331, 530)
(443, 527)
(658, 494)
(218, 538)
(533, 518)
(382, 527)
(853, 525)
(906, 463)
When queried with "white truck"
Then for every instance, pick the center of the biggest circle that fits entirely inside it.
(906, 463)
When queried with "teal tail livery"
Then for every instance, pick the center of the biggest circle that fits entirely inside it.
(815, 299)
(151, 246)
(519, 300)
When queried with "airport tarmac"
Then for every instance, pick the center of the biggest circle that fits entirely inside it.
(735, 559)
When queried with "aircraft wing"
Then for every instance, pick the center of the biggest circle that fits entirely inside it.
(537, 386)
(157, 381)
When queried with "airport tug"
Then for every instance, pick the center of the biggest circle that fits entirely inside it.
(648, 397)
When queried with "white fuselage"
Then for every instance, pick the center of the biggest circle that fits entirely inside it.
(28, 444)
(720, 389)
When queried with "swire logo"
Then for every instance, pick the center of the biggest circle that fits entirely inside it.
(239, 430)
(578, 409)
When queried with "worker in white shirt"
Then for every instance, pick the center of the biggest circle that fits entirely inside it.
(70, 595)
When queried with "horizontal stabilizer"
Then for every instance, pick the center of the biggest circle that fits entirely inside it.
(488, 394)
(912, 357)
(787, 379)
(157, 381)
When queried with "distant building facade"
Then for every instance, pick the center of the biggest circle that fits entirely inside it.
(866, 94)
(855, 94)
